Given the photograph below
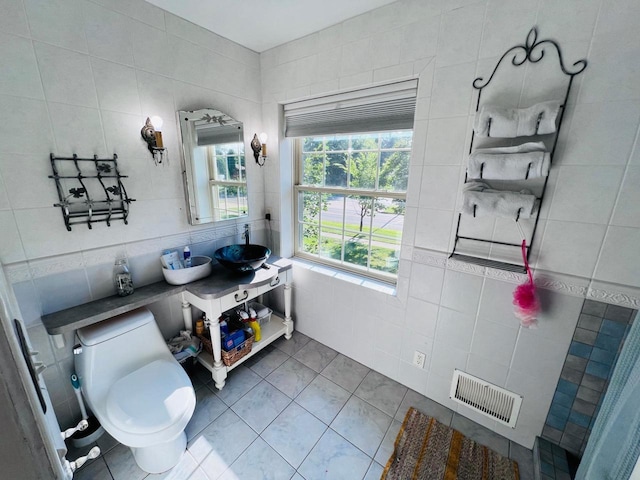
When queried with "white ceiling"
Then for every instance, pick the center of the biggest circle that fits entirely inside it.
(264, 24)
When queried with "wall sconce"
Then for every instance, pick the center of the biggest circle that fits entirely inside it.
(153, 138)
(259, 147)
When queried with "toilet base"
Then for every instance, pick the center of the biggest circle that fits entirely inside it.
(161, 457)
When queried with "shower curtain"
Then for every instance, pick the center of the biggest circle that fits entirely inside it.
(614, 444)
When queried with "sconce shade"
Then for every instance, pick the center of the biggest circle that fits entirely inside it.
(157, 122)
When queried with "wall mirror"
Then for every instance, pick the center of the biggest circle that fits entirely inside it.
(213, 165)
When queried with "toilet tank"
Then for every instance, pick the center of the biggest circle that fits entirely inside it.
(116, 347)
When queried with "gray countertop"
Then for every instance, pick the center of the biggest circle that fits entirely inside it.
(221, 282)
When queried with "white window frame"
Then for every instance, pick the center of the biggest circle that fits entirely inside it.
(373, 193)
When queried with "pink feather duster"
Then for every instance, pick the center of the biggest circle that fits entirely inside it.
(524, 297)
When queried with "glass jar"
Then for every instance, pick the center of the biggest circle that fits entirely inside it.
(122, 278)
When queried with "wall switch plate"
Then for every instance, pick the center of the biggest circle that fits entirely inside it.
(418, 359)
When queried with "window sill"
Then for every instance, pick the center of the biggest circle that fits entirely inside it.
(354, 278)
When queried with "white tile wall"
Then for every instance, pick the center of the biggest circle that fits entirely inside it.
(451, 94)
(454, 328)
(57, 23)
(22, 78)
(445, 141)
(461, 292)
(571, 247)
(14, 19)
(617, 262)
(433, 229)
(108, 34)
(626, 210)
(610, 66)
(460, 35)
(600, 134)
(451, 43)
(494, 341)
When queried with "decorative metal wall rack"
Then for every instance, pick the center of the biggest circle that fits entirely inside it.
(532, 51)
(90, 190)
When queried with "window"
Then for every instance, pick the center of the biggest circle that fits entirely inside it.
(352, 168)
(351, 192)
(227, 180)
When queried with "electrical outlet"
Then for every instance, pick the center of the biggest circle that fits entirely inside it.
(418, 359)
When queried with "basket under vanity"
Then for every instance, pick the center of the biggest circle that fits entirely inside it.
(219, 292)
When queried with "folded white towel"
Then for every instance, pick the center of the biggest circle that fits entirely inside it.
(481, 201)
(529, 160)
(500, 122)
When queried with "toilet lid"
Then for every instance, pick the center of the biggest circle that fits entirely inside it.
(150, 399)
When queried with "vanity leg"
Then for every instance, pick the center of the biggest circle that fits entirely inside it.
(186, 314)
(288, 321)
(219, 373)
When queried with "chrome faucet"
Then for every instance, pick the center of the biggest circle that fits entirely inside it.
(246, 233)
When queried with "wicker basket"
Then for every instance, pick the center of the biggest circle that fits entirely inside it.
(233, 355)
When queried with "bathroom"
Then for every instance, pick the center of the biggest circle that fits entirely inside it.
(81, 76)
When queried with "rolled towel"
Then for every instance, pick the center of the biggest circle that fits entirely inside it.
(497, 203)
(510, 163)
(500, 122)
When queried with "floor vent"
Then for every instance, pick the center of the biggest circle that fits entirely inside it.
(485, 398)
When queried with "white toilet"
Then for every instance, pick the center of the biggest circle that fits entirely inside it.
(140, 394)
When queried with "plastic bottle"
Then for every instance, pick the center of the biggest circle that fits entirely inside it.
(186, 253)
(255, 326)
(122, 278)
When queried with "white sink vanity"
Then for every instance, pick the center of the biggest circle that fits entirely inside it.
(217, 293)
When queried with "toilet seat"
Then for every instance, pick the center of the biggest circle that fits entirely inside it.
(151, 399)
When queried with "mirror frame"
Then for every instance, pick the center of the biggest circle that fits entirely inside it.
(186, 125)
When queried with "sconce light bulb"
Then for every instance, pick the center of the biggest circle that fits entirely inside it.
(157, 122)
(263, 138)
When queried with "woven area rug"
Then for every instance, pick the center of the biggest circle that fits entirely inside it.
(426, 449)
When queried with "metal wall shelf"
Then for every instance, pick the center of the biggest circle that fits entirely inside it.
(90, 190)
(531, 52)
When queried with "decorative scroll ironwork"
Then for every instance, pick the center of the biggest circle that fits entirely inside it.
(529, 50)
(533, 50)
(90, 207)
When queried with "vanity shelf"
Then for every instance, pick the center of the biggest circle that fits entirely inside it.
(271, 331)
(220, 291)
(217, 294)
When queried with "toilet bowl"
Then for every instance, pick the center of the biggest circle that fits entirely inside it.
(140, 394)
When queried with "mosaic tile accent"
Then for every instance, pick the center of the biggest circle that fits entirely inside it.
(593, 352)
(552, 460)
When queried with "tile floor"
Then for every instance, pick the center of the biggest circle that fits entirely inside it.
(298, 410)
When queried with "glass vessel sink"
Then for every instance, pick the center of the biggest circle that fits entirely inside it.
(242, 257)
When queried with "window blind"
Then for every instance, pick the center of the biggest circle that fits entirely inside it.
(381, 108)
(212, 134)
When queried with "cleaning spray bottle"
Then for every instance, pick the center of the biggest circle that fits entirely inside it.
(253, 323)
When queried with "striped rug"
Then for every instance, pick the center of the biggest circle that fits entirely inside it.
(425, 449)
